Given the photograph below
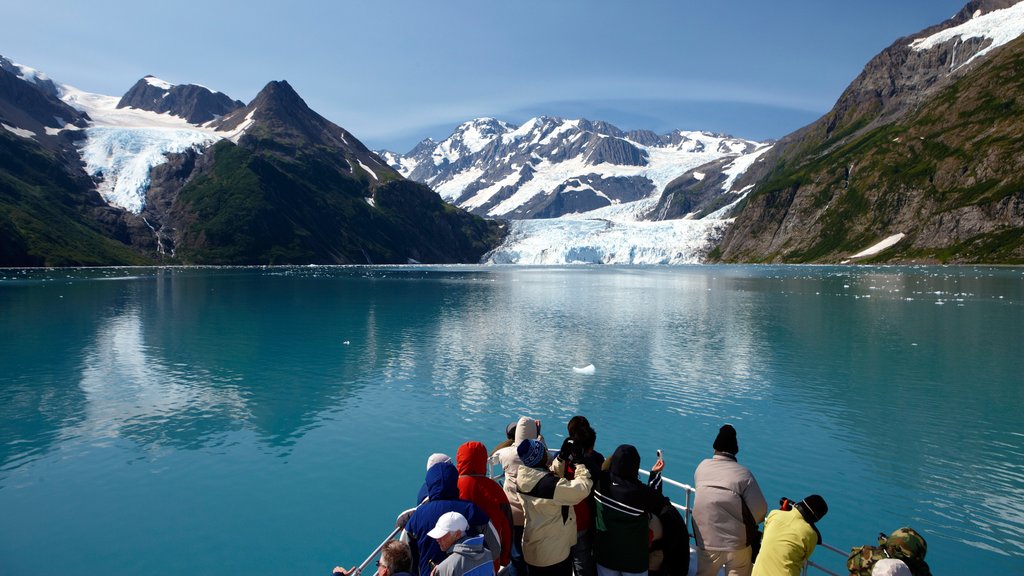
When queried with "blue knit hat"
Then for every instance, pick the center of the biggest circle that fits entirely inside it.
(531, 452)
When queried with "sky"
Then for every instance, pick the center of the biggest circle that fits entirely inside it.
(393, 72)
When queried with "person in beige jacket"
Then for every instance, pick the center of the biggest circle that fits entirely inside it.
(548, 499)
(724, 489)
(508, 458)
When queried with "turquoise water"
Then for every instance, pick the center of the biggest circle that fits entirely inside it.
(273, 421)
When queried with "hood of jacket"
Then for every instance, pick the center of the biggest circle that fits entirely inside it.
(469, 545)
(443, 482)
(525, 428)
(625, 463)
(471, 459)
(527, 477)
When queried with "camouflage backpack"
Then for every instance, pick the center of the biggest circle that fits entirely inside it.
(904, 544)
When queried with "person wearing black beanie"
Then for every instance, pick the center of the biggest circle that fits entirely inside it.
(790, 537)
(726, 440)
(727, 509)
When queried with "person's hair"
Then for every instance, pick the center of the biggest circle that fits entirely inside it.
(575, 422)
(396, 556)
(585, 437)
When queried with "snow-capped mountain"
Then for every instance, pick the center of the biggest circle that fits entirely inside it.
(551, 167)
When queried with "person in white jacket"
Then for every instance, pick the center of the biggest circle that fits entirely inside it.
(724, 488)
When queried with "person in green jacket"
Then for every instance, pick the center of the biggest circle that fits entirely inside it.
(790, 537)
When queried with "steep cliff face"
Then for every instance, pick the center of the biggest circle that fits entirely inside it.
(921, 144)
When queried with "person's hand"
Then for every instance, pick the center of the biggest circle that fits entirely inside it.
(342, 572)
(658, 466)
(403, 518)
(565, 452)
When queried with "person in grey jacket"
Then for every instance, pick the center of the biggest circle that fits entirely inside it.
(467, 555)
(724, 487)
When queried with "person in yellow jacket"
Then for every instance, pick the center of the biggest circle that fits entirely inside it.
(790, 537)
(548, 499)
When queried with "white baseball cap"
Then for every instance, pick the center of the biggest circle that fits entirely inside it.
(448, 522)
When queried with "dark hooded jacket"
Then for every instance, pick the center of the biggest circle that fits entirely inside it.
(623, 505)
(443, 490)
(478, 488)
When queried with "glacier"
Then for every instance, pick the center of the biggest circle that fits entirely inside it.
(122, 145)
(120, 159)
(598, 241)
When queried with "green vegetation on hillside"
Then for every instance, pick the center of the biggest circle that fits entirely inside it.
(44, 217)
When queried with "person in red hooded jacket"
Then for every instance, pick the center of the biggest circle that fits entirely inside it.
(478, 488)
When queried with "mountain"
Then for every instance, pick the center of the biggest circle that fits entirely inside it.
(919, 159)
(552, 167)
(196, 104)
(297, 189)
(182, 174)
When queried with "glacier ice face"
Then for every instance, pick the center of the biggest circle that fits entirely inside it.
(120, 158)
(562, 241)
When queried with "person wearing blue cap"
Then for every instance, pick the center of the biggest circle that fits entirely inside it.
(548, 499)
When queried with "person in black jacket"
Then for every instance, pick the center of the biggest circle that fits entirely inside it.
(623, 505)
(582, 552)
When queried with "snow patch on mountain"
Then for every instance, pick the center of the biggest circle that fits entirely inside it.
(739, 166)
(563, 241)
(1000, 26)
(162, 84)
(19, 131)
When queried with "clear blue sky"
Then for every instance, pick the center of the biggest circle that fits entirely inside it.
(395, 71)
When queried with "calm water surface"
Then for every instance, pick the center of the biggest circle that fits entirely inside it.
(255, 421)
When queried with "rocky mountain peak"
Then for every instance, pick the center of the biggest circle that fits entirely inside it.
(31, 107)
(196, 104)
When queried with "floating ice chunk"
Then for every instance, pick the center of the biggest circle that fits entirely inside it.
(587, 370)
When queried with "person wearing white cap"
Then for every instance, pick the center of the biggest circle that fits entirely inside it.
(467, 554)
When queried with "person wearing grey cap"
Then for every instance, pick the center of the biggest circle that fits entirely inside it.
(790, 537)
(728, 502)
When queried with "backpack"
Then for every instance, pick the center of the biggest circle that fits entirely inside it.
(904, 544)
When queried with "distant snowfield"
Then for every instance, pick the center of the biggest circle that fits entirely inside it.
(1001, 26)
(561, 241)
(123, 145)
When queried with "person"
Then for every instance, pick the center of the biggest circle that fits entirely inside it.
(508, 458)
(790, 537)
(395, 560)
(548, 499)
(435, 458)
(575, 422)
(728, 504)
(476, 487)
(624, 504)
(510, 438)
(442, 481)
(582, 552)
(467, 554)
